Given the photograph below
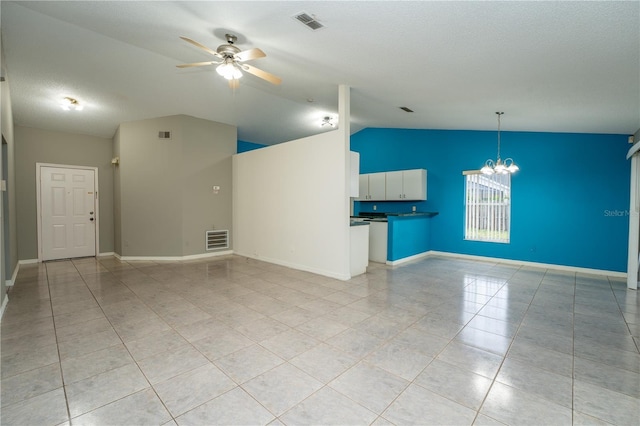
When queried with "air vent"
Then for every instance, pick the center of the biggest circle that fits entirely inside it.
(164, 135)
(308, 20)
(406, 109)
(217, 240)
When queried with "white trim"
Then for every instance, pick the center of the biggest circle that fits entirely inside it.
(173, 258)
(96, 205)
(4, 306)
(106, 254)
(28, 261)
(635, 148)
(409, 258)
(12, 281)
(299, 267)
(616, 274)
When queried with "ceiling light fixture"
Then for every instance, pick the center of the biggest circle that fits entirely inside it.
(69, 104)
(499, 167)
(328, 121)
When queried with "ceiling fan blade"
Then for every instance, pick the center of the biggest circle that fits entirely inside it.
(198, 64)
(247, 55)
(201, 46)
(234, 84)
(262, 74)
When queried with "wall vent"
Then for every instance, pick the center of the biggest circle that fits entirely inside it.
(164, 135)
(308, 20)
(217, 240)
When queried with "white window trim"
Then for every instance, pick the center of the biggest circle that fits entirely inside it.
(503, 220)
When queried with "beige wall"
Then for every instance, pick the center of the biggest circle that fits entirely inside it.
(206, 161)
(164, 187)
(43, 146)
(7, 239)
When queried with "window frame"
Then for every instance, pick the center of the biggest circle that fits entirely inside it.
(503, 220)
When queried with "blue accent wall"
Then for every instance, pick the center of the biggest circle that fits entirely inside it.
(248, 146)
(570, 198)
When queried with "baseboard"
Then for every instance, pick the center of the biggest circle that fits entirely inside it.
(173, 258)
(4, 306)
(615, 274)
(408, 258)
(330, 274)
(12, 281)
(109, 253)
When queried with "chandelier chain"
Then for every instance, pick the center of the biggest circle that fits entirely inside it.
(499, 114)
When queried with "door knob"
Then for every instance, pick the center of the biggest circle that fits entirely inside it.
(91, 219)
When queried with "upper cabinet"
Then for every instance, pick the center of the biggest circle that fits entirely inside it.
(372, 187)
(402, 185)
(407, 185)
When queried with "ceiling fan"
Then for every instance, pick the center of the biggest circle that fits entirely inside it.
(232, 61)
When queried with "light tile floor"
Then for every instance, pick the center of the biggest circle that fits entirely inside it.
(238, 341)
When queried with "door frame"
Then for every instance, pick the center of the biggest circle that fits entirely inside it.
(39, 207)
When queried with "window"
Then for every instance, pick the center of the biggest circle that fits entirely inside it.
(487, 207)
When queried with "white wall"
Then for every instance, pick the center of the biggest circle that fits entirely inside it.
(291, 204)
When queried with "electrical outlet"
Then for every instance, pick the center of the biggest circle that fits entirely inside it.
(375, 207)
(413, 208)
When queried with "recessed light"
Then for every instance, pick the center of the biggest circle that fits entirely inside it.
(69, 103)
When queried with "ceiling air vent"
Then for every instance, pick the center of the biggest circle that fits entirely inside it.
(308, 20)
(406, 109)
(164, 135)
(217, 240)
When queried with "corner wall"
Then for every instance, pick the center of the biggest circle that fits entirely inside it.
(164, 195)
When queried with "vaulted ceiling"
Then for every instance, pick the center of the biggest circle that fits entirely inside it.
(550, 66)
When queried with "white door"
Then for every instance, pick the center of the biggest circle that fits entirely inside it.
(68, 214)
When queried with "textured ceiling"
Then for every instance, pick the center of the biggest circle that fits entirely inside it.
(550, 66)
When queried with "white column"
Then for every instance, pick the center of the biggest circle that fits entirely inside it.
(344, 127)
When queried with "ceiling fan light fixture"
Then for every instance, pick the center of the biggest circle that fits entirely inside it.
(229, 71)
(69, 104)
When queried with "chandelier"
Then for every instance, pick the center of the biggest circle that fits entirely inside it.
(498, 166)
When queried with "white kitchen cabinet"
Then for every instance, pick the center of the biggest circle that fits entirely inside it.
(372, 187)
(359, 251)
(406, 185)
(378, 236)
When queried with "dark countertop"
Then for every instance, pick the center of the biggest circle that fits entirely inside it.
(358, 222)
(380, 216)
